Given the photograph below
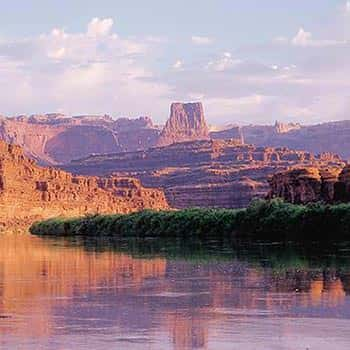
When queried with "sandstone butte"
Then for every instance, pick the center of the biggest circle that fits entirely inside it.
(53, 139)
(312, 184)
(29, 192)
(186, 123)
(207, 173)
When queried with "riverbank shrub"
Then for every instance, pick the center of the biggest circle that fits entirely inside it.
(273, 220)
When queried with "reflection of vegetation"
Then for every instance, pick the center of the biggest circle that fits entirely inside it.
(272, 220)
(278, 256)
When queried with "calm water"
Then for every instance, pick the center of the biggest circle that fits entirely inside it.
(56, 294)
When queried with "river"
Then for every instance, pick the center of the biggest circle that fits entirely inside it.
(92, 294)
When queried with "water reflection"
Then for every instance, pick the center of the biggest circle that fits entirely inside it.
(83, 294)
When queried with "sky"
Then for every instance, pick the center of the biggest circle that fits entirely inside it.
(248, 61)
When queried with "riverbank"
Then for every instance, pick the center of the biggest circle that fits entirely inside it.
(272, 220)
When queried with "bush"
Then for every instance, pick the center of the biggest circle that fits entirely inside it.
(262, 220)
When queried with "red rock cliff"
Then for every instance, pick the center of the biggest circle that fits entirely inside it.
(53, 139)
(29, 192)
(212, 173)
(312, 184)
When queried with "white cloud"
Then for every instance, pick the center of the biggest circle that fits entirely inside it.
(98, 71)
(201, 40)
(302, 38)
(347, 7)
(305, 39)
(221, 107)
(314, 90)
(178, 65)
(99, 27)
(224, 62)
(92, 72)
(281, 40)
(58, 33)
(57, 54)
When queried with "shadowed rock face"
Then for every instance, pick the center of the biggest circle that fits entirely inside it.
(54, 138)
(186, 123)
(212, 173)
(233, 133)
(29, 192)
(312, 184)
(327, 137)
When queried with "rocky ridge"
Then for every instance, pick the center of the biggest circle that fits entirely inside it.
(326, 137)
(207, 173)
(232, 133)
(312, 184)
(54, 138)
(57, 139)
(29, 192)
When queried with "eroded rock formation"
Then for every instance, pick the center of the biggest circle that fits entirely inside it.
(326, 137)
(54, 138)
(282, 128)
(212, 173)
(57, 139)
(29, 192)
(232, 133)
(312, 184)
(186, 123)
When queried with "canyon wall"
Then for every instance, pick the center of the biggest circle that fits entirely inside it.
(232, 133)
(29, 192)
(327, 137)
(207, 173)
(312, 184)
(54, 138)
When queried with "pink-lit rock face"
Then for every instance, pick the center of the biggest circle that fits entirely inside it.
(207, 173)
(186, 123)
(29, 192)
(320, 138)
(312, 184)
(53, 139)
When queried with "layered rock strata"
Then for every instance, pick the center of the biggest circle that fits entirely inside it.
(186, 123)
(232, 133)
(54, 138)
(213, 173)
(326, 137)
(29, 192)
(312, 184)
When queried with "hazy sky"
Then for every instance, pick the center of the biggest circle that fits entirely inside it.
(246, 60)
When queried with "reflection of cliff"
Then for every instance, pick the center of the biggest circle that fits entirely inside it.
(46, 286)
(188, 331)
(35, 275)
(225, 290)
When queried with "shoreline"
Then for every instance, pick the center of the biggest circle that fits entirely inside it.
(262, 220)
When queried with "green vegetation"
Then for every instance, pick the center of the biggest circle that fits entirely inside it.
(280, 257)
(262, 220)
